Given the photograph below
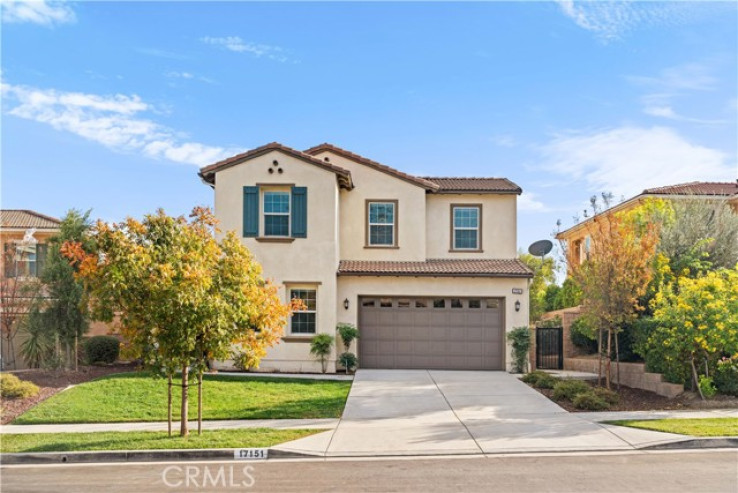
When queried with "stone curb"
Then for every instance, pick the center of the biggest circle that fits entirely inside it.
(136, 456)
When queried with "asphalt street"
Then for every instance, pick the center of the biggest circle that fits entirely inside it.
(694, 471)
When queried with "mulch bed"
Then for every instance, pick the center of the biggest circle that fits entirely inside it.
(643, 400)
(52, 382)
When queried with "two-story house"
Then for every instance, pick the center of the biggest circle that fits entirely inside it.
(426, 268)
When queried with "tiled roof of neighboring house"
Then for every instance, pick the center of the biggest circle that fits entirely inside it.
(436, 268)
(474, 185)
(696, 188)
(428, 185)
(208, 172)
(26, 219)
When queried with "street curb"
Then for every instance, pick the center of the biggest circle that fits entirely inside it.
(696, 443)
(228, 454)
(137, 456)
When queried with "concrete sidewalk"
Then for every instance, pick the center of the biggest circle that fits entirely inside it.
(421, 412)
(281, 424)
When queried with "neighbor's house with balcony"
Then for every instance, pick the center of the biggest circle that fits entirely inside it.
(577, 238)
(426, 268)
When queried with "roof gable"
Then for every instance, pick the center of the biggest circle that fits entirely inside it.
(421, 182)
(208, 172)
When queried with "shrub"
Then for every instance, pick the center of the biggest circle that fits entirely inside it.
(348, 361)
(707, 387)
(570, 294)
(320, 347)
(521, 341)
(568, 389)
(550, 322)
(590, 401)
(583, 336)
(348, 333)
(726, 376)
(11, 387)
(545, 381)
(533, 376)
(607, 395)
(102, 349)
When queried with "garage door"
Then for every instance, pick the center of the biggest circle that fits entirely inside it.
(434, 333)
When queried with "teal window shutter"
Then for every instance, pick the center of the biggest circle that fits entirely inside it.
(251, 211)
(299, 212)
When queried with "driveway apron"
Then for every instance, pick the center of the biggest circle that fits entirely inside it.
(431, 412)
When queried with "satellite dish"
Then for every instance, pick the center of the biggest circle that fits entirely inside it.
(540, 248)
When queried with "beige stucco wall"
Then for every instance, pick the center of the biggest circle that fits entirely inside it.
(373, 184)
(499, 225)
(305, 261)
(352, 287)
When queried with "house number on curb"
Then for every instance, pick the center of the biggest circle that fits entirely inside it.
(250, 453)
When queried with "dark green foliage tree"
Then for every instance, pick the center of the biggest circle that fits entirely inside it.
(61, 317)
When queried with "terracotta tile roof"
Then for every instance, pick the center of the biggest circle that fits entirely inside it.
(696, 188)
(436, 268)
(25, 219)
(207, 173)
(475, 185)
(428, 185)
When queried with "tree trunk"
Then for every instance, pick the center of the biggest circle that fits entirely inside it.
(169, 404)
(76, 353)
(599, 357)
(199, 402)
(608, 369)
(183, 428)
(617, 360)
(696, 381)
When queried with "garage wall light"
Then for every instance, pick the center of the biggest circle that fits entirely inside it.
(517, 306)
(346, 303)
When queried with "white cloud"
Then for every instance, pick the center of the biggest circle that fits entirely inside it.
(43, 12)
(527, 202)
(626, 160)
(188, 76)
(610, 20)
(503, 140)
(115, 121)
(669, 113)
(235, 43)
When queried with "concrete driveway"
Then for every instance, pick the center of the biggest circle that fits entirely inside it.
(427, 412)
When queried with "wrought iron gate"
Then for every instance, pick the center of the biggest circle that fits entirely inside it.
(550, 348)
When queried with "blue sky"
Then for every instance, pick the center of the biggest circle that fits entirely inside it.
(112, 106)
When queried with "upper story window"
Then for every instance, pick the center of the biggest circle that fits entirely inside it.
(24, 259)
(382, 223)
(276, 213)
(466, 227)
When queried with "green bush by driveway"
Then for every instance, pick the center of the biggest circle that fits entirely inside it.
(147, 440)
(126, 397)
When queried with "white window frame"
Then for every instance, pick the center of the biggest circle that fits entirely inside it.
(303, 287)
(264, 213)
(455, 228)
(370, 223)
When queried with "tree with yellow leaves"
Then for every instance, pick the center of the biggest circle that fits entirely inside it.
(184, 297)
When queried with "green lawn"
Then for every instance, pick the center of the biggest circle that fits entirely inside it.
(700, 427)
(147, 440)
(140, 397)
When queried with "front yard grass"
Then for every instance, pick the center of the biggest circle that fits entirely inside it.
(700, 427)
(126, 397)
(147, 440)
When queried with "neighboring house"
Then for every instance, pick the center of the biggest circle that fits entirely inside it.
(426, 268)
(24, 240)
(577, 237)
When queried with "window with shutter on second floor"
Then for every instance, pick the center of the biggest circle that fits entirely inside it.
(278, 212)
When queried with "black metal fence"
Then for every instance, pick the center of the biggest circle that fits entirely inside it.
(550, 348)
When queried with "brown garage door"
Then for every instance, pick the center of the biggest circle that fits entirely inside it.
(435, 333)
